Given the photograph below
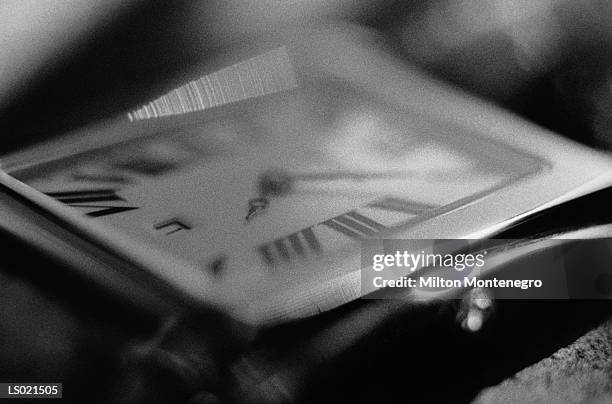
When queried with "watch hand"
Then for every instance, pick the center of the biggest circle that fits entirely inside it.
(279, 182)
(256, 206)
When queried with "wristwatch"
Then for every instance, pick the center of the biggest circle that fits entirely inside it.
(247, 193)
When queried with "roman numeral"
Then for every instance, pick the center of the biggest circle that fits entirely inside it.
(292, 246)
(355, 225)
(148, 166)
(218, 264)
(84, 198)
(400, 205)
(109, 178)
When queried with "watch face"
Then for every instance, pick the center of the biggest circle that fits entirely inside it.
(271, 197)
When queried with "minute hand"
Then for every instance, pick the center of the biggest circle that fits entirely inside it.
(278, 182)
